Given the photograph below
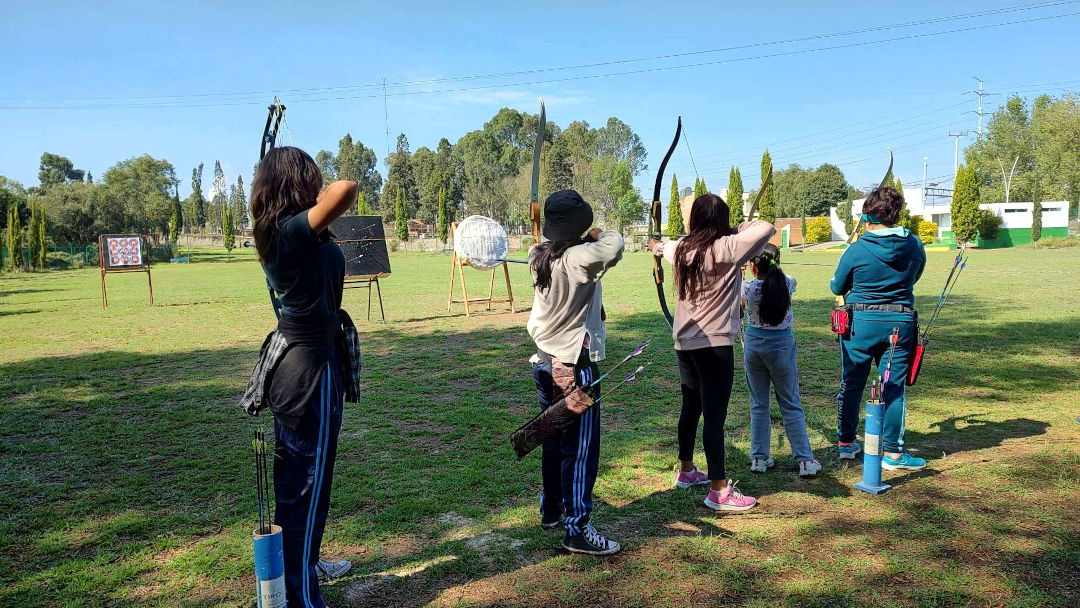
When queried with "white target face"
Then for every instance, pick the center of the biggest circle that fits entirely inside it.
(480, 242)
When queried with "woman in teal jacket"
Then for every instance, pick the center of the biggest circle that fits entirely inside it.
(877, 274)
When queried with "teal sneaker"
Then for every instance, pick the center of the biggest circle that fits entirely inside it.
(906, 462)
(848, 451)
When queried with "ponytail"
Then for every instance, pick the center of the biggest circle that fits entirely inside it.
(775, 297)
(544, 255)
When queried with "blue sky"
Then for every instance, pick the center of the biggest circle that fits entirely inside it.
(189, 82)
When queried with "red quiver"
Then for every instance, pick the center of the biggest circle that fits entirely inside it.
(841, 318)
(916, 362)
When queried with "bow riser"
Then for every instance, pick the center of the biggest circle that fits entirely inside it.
(658, 269)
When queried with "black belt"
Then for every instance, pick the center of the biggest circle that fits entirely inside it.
(885, 308)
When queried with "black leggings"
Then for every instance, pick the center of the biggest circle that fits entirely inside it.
(707, 375)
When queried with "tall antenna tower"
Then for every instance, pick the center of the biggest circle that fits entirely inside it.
(386, 117)
(980, 93)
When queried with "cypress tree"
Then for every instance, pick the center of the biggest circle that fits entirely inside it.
(362, 206)
(32, 243)
(14, 238)
(401, 221)
(965, 205)
(1036, 213)
(175, 222)
(228, 228)
(767, 207)
(41, 236)
(734, 196)
(675, 226)
(699, 187)
(444, 220)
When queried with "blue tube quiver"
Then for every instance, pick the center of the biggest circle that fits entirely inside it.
(269, 569)
(871, 464)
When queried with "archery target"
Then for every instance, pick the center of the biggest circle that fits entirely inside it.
(480, 242)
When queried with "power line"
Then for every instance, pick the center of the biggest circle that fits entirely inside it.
(576, 78)
(426, 82)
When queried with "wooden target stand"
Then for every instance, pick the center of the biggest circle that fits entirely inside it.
(366, 281)
(457, 264)
(106, 266)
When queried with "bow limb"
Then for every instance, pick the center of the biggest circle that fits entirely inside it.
(275, 114)
(858, 225)
(757, 199)
(534, 200)
(658, 268)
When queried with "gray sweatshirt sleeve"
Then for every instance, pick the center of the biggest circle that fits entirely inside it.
(589, 261)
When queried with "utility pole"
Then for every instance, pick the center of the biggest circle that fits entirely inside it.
(980, 93)
(924, 177)
(956, 154)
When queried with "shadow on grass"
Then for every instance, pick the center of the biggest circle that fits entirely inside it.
(13, 313)
(125, 476)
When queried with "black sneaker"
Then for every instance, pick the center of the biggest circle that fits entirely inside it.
(553, 523)
(590, 542)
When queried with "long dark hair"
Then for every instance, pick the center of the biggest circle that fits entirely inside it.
(287, 183)
(544, 255)
(710, 219)
(775, 297)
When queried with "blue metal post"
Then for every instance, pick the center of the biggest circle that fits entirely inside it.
(269, 569)
(871, 467)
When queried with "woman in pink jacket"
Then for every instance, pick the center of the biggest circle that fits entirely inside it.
(708, 278)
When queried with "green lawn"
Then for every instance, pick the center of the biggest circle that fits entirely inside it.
(126, 472)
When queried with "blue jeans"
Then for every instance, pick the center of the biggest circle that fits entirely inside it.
(303, 473)
(571, 459)
(769, 357)
(868, 344)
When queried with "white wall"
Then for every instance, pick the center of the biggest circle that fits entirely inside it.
(1018, 215)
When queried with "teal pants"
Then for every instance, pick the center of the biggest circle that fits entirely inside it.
(865, 346)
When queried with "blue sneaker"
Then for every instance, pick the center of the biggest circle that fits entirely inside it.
(905, 462)
(848, 451)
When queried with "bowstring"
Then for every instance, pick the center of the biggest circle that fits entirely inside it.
(686, 142)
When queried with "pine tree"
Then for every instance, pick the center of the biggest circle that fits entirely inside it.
(675, 226)
(228, 229)
(401, 220)
(32, 242)
(767, 207)
(444, 219)
(89, 178)
(965, 205)
(734, 196)
(42, 236)
(199, 221)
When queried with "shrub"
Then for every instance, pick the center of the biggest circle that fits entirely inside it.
(1055, 242)
(989, 225)
(63, 260)
(818, 229)
(927, 231)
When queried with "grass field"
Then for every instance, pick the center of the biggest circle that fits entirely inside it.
(126, 475)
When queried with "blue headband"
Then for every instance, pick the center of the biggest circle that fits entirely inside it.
(870, 219)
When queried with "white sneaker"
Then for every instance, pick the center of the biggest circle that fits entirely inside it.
(329, 570)
(809, 468)
(760, 465)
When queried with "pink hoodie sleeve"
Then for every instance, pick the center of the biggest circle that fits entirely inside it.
(745, 244)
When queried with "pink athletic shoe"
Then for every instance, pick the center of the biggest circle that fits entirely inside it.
(686, 479)
(729, 499)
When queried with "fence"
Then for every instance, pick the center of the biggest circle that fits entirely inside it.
(66, 257)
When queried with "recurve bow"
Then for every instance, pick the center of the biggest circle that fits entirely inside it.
(534, 201)
(658, 268)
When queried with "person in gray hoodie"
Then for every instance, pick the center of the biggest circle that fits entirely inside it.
(567, 325)
(877, 274)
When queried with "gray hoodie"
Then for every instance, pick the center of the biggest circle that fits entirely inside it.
(569, 309)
